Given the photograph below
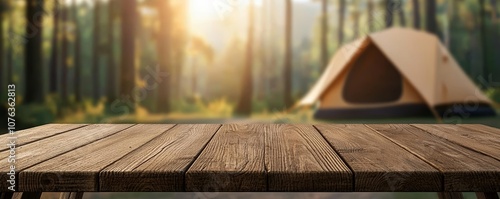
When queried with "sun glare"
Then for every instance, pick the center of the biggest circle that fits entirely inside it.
(200, 10)
(203, 10)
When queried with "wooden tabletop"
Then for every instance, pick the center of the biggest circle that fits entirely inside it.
(255, 157)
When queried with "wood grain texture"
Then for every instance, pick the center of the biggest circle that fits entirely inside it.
(378, 163)
(78, 170)
(298, 158)
(33, 153)
(26, 136)
(486, 142)
(232, 161)
(159, 165)
(479, 127)
(463, 169)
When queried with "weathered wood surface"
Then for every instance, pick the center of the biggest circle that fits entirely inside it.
(463, 169)
(78, 170)
(471, 137)
(160, 164)
(257, 157)
(232, 161)
(34, 134)
(378, 163)
(299, 159)
(30, 154)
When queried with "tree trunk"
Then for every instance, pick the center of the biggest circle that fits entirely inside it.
(371, 18)
(430, 17)
(194, 82)
(2, 66)
(494, 10)
(64, 55)
(77, 55)
(10, 51)
(356, 25)
(389, 15)
(245, 103)
(402, 15)
(33, 52)
(96, 91)
(111, 80)
(454, 27)
(324, 33)
(264, 50)
(164, 53)
(287, 72)
(416, 14)
(496, 34)
(484, 42)
(127, 79)
(341, 22)
(55, 51)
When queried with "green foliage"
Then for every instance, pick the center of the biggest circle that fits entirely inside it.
(195, 105)
(494, 94)
(29, 115)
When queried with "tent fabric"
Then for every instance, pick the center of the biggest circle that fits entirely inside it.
(431, 75)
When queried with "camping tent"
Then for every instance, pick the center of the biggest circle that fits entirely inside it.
(393, 73)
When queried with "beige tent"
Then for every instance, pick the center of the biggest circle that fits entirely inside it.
(393, 73)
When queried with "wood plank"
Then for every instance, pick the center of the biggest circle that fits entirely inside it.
(27, 136)
(487, 195)
(232, 161)
(78, 170)
(33, 153)
(159, 165)
(463, 169)
(495, 132)
(484, 142)
(298, 158)
(379, 164)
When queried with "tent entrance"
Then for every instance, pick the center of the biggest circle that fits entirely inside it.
(372, 78)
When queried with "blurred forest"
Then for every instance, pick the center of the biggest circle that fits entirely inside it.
(101, 61)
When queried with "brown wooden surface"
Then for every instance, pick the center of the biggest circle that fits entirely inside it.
(299, 159)
(232, 161)
(378, 163)
(34, 134)
(160, 164)
(485, 142)
(257, 157)
(463, 169)
(29, 154)
(78, 170)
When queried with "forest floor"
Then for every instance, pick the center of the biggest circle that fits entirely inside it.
(270, 118)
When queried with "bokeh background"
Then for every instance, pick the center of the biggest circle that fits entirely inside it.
(213, 61)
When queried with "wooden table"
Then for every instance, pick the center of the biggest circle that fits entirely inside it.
(75, 158)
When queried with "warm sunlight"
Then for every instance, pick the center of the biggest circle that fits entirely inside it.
(201, 10)
(205, 10)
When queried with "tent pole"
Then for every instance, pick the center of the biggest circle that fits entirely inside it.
(436, 115)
